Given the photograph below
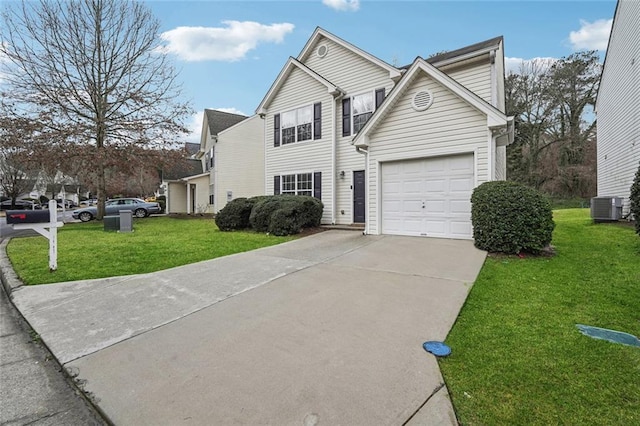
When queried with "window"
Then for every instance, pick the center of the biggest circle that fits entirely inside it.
(299, 184)
(298, 125)
(356, 110)
(211, 158)
(211, 194)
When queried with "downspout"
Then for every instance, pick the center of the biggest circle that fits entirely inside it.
(334, 141)
(494, 85)
(367, 220)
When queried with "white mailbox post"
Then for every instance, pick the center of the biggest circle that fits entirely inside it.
(33, 219)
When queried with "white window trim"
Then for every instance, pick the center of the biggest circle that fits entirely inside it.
(296, 183)
(282, 143)
(352, 103)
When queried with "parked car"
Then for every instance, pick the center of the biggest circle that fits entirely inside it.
(139, 207)
(20, 205)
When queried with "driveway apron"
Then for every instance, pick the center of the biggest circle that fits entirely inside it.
(327, 329)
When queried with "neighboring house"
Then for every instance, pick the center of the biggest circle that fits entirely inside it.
(238, 169)
(232, 152)
(399, 149)
(618, 106)
(186, 187)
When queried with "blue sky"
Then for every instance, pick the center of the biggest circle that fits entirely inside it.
(229, 52)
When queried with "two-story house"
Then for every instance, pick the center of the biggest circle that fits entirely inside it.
(232, 154)
(618, 106)
(396, 148)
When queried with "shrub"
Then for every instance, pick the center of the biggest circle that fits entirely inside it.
(235, 215)
(510, 218)
(162, 202)
(285, 221)
(43, 199)
(634, 199)
(304, 211)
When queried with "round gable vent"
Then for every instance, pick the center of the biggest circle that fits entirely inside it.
(322, 50)
(422, 100)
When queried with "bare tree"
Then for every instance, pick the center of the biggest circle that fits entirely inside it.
(554, 148)
(17, 168)
(96, 67)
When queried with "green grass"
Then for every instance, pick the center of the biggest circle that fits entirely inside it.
(517, 357)
(86, 251)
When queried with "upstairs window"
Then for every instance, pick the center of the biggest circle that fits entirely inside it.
(298, 125)
(356, 110)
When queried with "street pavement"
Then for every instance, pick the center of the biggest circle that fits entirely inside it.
(327, 329)
(33, 387)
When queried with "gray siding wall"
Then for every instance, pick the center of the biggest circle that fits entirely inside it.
(449, 126)
(618, 106)
(239, 161)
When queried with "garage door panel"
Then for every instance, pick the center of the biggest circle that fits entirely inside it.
(428, 197)
(459, 207)
(461, 184)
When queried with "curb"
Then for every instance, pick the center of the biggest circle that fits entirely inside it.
(8, 276)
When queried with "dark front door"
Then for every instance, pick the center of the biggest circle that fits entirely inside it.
(358, 196)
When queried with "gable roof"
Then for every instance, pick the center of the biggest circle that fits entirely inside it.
(394, 73)
(191, 148)
(463, 53)
(292, 64)
(182, 169)
(495, 117)
(220, 120)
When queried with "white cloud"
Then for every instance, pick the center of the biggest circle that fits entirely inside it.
(195, 126)
(517, 65)
(228, 43)
(591, 35)
(343, 5)
(230, 110)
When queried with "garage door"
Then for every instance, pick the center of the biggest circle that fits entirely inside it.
(428, 197)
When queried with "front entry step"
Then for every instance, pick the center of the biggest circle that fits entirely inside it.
(352, 227)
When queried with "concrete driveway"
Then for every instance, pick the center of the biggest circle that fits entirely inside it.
(327, 329)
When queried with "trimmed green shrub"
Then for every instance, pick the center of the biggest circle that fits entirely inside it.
(300, 212)
(509, 217)
(634, 199)
(235, 215)
(285, 221)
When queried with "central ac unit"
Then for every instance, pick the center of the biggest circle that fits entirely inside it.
(606, 208)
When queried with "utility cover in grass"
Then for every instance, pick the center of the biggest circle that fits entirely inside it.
(436, 348)
(609, 335)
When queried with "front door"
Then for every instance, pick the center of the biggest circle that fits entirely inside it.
(358, 196)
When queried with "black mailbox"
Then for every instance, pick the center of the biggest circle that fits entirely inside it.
(27, 216)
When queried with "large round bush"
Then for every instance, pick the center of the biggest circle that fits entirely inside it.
(510, 218)
(235, 215)
(299, 212)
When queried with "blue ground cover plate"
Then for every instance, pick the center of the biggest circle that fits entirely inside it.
(436, 348)
(609, 335)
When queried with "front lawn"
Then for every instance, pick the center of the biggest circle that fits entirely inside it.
(517, 357)
(86, 251)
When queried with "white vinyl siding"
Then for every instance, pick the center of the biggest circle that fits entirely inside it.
(618, 106)
(475, 77)
(239, 164)
(297, 91)
(355, 75)
(449, 127)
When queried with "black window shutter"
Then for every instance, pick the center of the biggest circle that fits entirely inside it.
(276, 185)
(379, 97)
(317, 185)
(317, 120)
(346, 117)
(276, 130)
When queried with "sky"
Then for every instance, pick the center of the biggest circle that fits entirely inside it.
(229, 52)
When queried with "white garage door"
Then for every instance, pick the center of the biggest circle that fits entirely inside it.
(428, 197)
